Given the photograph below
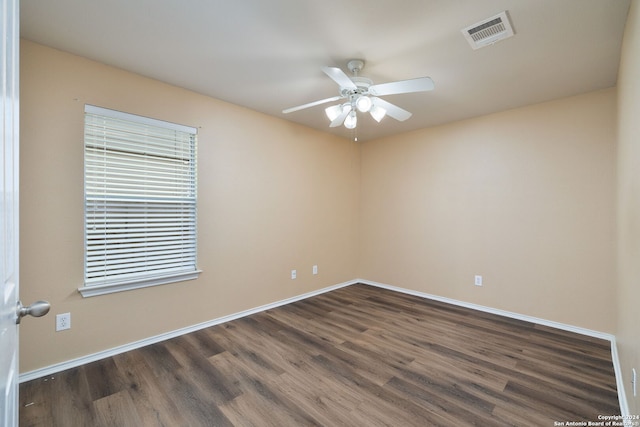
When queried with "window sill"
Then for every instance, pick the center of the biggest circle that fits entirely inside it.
(95, 290)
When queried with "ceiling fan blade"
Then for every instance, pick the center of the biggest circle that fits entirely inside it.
(392, 110)
(338, 76)
(340, 119)
(421, 84)
(310, 104)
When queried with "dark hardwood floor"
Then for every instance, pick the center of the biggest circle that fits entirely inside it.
(356, 356)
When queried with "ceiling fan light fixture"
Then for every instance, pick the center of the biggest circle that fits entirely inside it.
(377, 113)
(333, 112)
(364, 103)
(361, 95)
(351, 120)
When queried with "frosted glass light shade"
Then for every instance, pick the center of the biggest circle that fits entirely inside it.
(364, 104)
(333, 112)
(351, 121)
(378, 113)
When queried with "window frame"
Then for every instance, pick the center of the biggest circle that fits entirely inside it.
(94, 284)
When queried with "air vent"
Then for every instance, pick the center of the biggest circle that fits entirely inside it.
(488, 31)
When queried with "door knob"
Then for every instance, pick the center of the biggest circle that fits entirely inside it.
(37, 309)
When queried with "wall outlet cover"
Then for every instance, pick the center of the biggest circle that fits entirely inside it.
(63, 321)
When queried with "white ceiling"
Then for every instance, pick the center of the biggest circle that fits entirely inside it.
(267, 54)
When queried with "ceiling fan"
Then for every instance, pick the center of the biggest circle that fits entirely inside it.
(362, 95)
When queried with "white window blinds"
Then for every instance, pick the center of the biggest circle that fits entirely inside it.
(140, 201)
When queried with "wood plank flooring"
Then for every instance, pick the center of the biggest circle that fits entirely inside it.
(356, 356)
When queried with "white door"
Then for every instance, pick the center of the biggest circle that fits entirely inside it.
(11, 310)
(9, 126)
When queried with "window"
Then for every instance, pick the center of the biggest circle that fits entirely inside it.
(140, 202)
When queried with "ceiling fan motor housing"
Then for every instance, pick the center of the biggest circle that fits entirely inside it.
(362, 87)
(358, 97)
(362, 83)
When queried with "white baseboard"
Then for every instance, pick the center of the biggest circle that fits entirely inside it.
(622, 398)
(622, 395)
(59, 367)
(499, 312)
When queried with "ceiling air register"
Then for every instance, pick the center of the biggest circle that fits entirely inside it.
(488, 31)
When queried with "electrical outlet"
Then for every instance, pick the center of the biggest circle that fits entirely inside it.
(294, 274)
(478, 281)
(63, 321)
(315, 269)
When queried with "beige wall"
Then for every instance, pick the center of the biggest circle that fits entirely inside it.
(273, 196)
(628, 336)
(524, 198)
